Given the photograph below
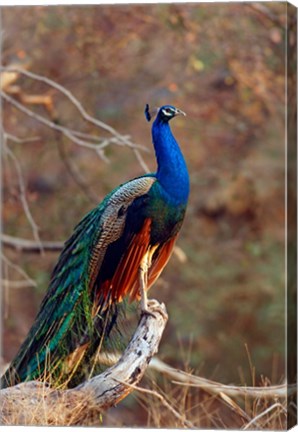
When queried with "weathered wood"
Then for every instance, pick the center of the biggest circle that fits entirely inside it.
(37, 403)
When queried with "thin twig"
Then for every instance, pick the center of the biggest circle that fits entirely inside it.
(18, 269)
(25, 245)
(74, 171)
(16, 139)
(82, 111)
(263, 413)
(154, 393)
(66, 131)
(23, 198)
(71, 97)
(7, 283)
(72, 134)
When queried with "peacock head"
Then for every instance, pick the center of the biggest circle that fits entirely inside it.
(163, 114)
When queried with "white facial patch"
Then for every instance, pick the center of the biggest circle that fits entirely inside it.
(167, 112)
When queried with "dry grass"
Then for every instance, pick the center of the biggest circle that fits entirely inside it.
(17, 408)
(161, 404)
(204, 409)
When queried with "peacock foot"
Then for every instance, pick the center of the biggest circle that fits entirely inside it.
(153, 307)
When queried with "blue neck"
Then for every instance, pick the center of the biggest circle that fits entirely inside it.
(172, 171)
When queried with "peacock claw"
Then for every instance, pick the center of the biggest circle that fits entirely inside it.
(153, 307)
(145, 312)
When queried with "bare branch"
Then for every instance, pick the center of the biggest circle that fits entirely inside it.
(67, 132)
(23, 198)
(120, 138)
(72, 99)
(183, 378)
(18, 269)
(6, 283)
(25, 245)
(75, 173)
(73, 134)
(18, 140)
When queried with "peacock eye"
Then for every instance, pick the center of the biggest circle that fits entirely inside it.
(167, 111)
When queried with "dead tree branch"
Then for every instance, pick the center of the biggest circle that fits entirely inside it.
(37, 403)
(16, 268)
(73, 100)
(117, 138)
(69, 133)
(6, 283)
(22, 189)
(24, 245)
(183, 378)
(180, 377)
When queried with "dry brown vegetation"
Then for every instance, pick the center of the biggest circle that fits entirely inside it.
(74, 129)
(185, 401)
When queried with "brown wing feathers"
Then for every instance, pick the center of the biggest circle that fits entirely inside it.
(160, 259)
(126, 279)
(126, 273)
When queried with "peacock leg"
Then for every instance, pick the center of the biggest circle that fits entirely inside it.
(143, 274)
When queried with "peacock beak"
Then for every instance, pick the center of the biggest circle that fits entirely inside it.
(179, 112)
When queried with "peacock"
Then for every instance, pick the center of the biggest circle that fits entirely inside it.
(115, 253)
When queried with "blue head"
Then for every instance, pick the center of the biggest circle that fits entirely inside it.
(163, 114)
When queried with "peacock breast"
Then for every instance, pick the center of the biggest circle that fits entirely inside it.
(165, 213)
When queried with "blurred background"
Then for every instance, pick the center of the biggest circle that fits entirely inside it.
(224, 65)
